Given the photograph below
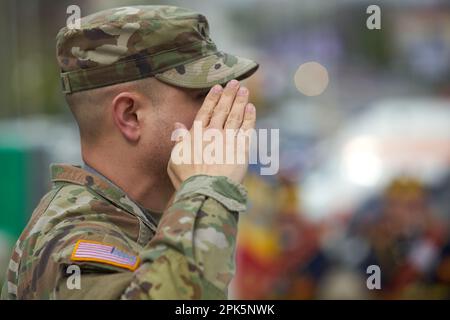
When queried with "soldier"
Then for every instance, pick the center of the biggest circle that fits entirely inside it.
(134, 224)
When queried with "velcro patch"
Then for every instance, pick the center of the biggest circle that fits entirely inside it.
(86, 250)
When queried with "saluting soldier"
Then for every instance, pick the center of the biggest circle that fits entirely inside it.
(134, 223)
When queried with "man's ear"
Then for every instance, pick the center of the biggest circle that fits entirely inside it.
(127, 108)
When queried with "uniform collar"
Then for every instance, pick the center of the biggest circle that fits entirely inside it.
(104, 187)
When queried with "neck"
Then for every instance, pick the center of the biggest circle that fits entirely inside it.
(151, 190)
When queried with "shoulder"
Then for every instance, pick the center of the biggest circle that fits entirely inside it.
(72, 210)
(69, 203)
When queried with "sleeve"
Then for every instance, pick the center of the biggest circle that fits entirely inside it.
(191, 255)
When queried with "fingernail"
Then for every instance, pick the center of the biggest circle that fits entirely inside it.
(233, 83)
(250, 108)
(217, 88)
(178, 125)
(242, 91)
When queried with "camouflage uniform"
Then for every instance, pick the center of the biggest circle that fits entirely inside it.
(189, 253)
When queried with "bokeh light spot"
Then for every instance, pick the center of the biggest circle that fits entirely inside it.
(311, 78)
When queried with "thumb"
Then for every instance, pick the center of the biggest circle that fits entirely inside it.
(179, 132)
(179, 125)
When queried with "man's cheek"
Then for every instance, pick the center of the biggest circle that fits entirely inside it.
(191, 117)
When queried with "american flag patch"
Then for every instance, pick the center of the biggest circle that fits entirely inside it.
(99, 252)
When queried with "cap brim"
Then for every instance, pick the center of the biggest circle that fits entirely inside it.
(218, 68)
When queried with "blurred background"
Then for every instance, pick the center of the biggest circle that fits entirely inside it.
(364, 167)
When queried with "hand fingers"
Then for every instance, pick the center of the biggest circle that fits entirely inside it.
(249, 117)
(223, 107)
(247, 124)
(236, 115)
(206, 110)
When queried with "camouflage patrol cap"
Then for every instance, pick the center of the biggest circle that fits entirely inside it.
(123, 44)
